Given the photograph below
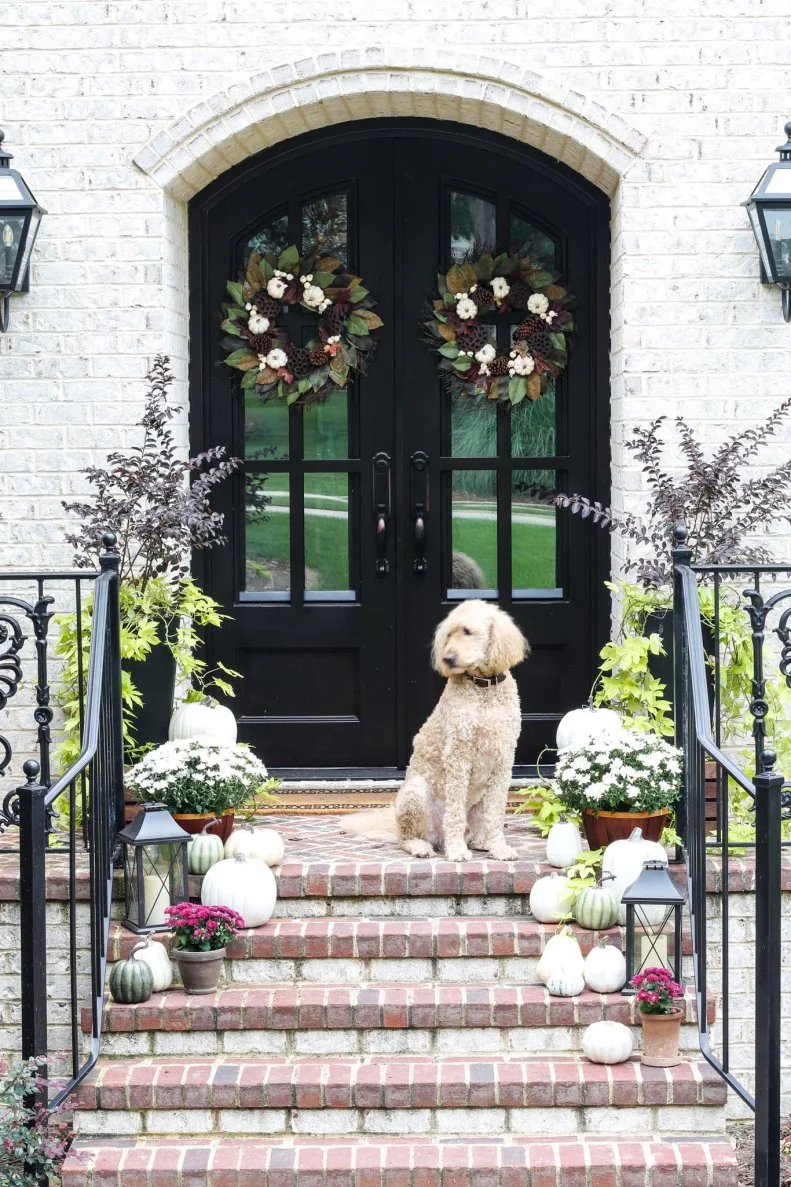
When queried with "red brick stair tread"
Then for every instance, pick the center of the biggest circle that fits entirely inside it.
(309, 1006)
(400, 1082)
(550, 1162)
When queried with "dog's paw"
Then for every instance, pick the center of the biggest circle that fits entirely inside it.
(457, 853)
(503, 852)
(418, 848)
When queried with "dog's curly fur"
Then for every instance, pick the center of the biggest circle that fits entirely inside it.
(456, 786)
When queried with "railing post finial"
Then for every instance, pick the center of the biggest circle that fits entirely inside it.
(109, 559)
(682, 553)
(768, 760)
(31, 769)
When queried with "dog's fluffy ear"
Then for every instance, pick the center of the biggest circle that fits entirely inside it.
(508, 646)
(439, 645)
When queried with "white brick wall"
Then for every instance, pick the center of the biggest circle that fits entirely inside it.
(674, 116)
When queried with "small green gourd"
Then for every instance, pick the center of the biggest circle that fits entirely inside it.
(131, 981)
(596, 907)
(205, 850)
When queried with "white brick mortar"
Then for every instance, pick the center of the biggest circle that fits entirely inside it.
(118, 112)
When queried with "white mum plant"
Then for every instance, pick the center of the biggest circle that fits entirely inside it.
(193, 776)
(631, 773)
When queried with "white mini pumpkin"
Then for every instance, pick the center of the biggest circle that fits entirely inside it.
(248, 887)
(561, 956)
(584, 725)
(551, 898)
(257, 844)
(605, 968)
(624, 861)
(607, 1042)
(156, 957)
(564, 844)
(206, 719)
(566, 985)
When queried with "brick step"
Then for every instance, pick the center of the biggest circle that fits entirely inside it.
(558, 1162)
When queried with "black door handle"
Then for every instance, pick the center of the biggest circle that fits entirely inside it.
(381, 507)
(419, 497)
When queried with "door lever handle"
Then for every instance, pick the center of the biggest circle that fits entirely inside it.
(382, 501)
(419, 497)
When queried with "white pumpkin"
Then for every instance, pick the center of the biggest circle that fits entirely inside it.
(206, 719)
(248, 887)
(257, 844)
(551, 898)
(566, 985)
(561, 956)
(605, 969)
(156, 957)
(564, 844)
(584, 725)
(607, 1042)
(623, 860)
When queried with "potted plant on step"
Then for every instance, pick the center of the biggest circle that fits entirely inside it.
(657, 994)
(200, 937)
(198, 781)
(618, 784)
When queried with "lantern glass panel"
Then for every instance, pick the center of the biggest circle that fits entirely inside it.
(154, 881)
(652, 938)
(32, 232)
(12, 227)
(778, 227)
(758, 231)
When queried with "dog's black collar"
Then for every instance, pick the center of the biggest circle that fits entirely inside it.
(486, 681)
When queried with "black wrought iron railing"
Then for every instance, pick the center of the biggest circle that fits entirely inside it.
(67, 826)
(718, 793)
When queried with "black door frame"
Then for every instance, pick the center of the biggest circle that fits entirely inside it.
(201, 357)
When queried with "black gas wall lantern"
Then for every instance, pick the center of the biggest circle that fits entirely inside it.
(769, 208)
(20, 217)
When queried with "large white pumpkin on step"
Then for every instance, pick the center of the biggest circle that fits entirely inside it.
(561, 956)
(564, 844)
(624, 861)
(206, 719)
(156, 957)
(257, 844)
(585, 725)
(605, 969)
(607, 1042)
(248, 887)
(551, 898)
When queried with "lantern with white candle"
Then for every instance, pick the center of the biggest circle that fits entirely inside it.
(156, 868)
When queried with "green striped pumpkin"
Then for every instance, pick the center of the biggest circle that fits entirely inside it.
(131, 981)
(204, 851)
(596, 908)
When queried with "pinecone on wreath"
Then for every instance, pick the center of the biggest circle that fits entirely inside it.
(318, 357)
(540, 343)
(483, 296)
(266, 305)
(530, 326)
(471, 337)
(261, 343)
(519, 295)
(299, 363)
(499, 366)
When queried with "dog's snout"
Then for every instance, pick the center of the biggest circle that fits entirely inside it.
(450, 659)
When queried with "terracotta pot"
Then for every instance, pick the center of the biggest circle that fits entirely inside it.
(661, 1037)
(195, 822)
(603, 827)
(200, 971)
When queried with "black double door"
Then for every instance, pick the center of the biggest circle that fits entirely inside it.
(355, 525)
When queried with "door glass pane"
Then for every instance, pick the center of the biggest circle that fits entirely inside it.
(326, 427)
(265, 428)
(267, 517)
(533, 426)
(325, 226)
(473, 226)
(474, 531)
(526, 239)
(473, 426)
(326, 532)
(533, 530)
(272, 236)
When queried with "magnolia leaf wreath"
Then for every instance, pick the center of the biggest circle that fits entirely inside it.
(272, 364)
(500, 284)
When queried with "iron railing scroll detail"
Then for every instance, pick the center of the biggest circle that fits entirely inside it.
(706, 835)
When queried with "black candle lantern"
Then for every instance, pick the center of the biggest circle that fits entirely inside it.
(20, 216)
(651, 902)
(156, 869)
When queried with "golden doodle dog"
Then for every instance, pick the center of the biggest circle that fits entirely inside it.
(456, 785)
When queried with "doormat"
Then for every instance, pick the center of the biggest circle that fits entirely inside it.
(333, 797)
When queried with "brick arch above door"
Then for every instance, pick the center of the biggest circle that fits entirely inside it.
(333, 88)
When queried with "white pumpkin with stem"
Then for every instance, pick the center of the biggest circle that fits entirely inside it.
(257, 844)
(585, 725)
(156, 957)
(248, 887)
(564, 844)
(551, 898)
(207, 719)
(623, 860)
(561, 956)
(607, 1042)
(605, 968)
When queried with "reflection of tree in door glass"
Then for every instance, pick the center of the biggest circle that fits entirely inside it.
(325, 226)
(473, 226)
(525, 239)
(273, 236)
